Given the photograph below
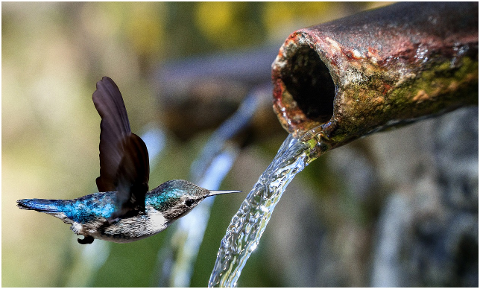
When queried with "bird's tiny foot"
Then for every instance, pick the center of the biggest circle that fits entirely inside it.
(86, 240)
(110, 221)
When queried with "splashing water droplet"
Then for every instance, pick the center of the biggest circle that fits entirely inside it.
(249, 223)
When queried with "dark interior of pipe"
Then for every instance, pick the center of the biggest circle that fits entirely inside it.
(309, 82)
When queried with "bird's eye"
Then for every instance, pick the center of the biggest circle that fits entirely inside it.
(189, 202)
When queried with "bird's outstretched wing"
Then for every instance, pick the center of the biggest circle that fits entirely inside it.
(132, 176)
(124, 165)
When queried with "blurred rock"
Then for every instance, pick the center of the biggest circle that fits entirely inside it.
(199, 93)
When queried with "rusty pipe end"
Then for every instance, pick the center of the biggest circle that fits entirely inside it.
(377, 69)
(304, 89)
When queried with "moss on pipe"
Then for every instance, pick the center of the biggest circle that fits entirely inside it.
(374, 70)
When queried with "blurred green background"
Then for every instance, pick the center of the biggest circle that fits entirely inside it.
(53, 54)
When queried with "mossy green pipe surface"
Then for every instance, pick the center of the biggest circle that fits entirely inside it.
(381, 68)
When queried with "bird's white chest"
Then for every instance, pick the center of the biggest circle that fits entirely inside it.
(125, 230)
(156, 221)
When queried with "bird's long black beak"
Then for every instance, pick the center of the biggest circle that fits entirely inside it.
(214, 193)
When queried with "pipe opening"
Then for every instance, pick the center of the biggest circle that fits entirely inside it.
(309, 82)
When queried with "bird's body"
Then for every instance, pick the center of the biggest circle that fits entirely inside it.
(124, 210)
(91, 215)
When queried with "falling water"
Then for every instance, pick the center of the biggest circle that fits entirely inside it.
(208, 171)
(249, 223)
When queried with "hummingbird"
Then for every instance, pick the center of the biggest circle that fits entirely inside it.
(123, 210)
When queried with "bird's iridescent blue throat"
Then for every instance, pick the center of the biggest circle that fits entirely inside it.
(124, 210)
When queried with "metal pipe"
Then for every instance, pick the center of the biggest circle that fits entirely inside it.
(381, 68)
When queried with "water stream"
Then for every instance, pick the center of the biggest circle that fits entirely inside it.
(176, 262)
(248, 224)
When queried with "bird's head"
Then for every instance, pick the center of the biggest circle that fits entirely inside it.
(176, 198)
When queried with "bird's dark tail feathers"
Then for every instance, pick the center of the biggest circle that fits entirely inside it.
(41, 205)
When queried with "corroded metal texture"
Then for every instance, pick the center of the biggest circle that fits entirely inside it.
(376, 69)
